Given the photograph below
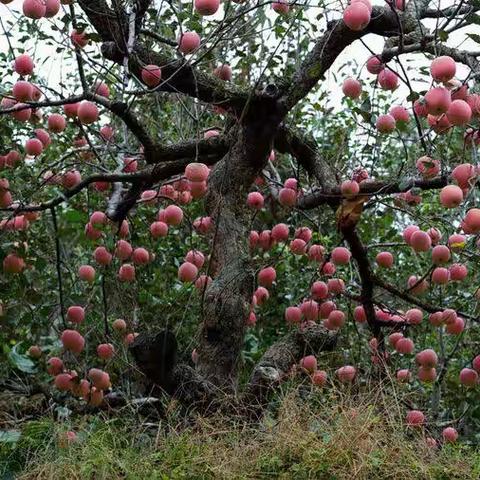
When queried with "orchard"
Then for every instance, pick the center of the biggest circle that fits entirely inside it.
(208, 201)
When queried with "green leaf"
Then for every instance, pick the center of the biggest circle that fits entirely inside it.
(404, 184)
(94, 37)
(9, 436)
(474, 37)
(473, 18)
(74, 216)
(443, 35)
(20, 361)
(367, 116)
(366, 105)
(402, 126)
(413, 96)
(63, 412)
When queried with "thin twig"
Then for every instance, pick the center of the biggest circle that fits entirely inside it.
(58, 265)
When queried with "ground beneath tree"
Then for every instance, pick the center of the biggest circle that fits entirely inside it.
(306, 435)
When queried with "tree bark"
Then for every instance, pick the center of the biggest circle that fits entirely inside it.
(227, 300)
(156, 357)
(278, 360)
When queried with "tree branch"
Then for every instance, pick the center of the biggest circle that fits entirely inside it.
(192, 149)
(359, 253)
(414, 300)
(371, 188)
(121, 109)
(327, 48)
(140, 181)
(277, 361)
(449, 11)
(304, 149)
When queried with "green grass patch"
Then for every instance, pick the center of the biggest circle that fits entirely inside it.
(307, 438)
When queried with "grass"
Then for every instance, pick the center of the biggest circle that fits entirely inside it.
(311, 435)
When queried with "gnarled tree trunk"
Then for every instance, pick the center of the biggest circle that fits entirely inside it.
(227, 300)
